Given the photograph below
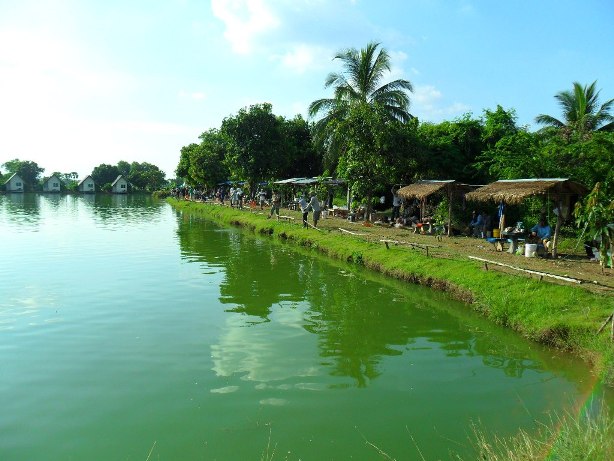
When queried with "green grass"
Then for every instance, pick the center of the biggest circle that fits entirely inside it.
(586, 437)
(564, 317)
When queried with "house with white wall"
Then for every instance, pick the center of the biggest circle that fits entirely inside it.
(120, 185)
(87, 185)
(52, 184)
(14, 183)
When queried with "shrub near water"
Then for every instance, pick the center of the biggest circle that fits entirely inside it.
(587, 437)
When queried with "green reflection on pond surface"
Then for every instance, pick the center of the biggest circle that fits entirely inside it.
(130, 325)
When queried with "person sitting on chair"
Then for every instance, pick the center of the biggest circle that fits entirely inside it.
(541, 232)
(476, 224)
(486, 224)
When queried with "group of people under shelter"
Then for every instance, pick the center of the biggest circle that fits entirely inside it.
(407, 214)
(481, 226)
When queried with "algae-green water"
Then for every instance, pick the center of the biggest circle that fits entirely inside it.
(129, 331)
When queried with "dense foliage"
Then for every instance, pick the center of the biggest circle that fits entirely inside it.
(365, 134)
(27, 170)
(254, 145)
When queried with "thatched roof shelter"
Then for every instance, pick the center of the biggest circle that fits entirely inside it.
(514, 191)
(424, 188)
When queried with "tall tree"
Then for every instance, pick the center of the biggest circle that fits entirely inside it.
(359, 82)
(104, 175)
(301, 158)
(374, 150)
(146, 176)
(497, 124)
(515, 155)
(29, 171)
(582, 113)
(124, 168)
(255, 143)
(449, 149)
(183, 167)
(206, 161)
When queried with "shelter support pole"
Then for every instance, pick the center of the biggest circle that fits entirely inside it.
(449, 212)
(557, 228)
(349, 198)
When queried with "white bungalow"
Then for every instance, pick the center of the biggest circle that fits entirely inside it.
(52, 184)
(120, 185)
(87, 185)
(14, 183)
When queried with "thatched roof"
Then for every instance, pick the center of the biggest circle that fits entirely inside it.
(424, 188)
(514, 191)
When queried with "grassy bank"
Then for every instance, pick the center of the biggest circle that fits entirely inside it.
(561, 316)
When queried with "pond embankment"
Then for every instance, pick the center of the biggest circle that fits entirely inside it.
(563, 316)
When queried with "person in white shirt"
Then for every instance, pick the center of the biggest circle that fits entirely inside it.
(304, 206)
(314, 204)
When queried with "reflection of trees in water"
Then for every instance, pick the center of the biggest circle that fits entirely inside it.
(358, 321)
(118, 209)
(52, 200)
(20, 208)
(256, 275)
(498, 353)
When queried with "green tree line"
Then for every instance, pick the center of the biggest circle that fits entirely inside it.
(366, 134)
(141, 176)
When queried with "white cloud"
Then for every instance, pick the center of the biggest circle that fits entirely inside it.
(426, 95)
(428, 104)
(303, 57)
(299, 59)
(244, 21)
(397, 58)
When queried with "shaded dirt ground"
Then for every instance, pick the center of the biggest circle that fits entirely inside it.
(572, 262)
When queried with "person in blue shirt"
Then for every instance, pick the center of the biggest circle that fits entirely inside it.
(542, 233)
(476, 225)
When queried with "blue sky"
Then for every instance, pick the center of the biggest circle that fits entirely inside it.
(87, 82)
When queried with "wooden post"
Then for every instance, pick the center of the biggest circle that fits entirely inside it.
(610, 317)
(557, 228)
(349, 199)
(449, 210)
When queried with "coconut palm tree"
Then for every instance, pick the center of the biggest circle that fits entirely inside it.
(360, 82)
(581, 112)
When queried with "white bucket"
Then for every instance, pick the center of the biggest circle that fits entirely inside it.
(530, 249)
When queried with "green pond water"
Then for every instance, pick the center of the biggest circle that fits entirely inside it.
(129, 331)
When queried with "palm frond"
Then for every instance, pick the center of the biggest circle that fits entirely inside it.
(543, 119)
(320, 105)
(607, 127)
